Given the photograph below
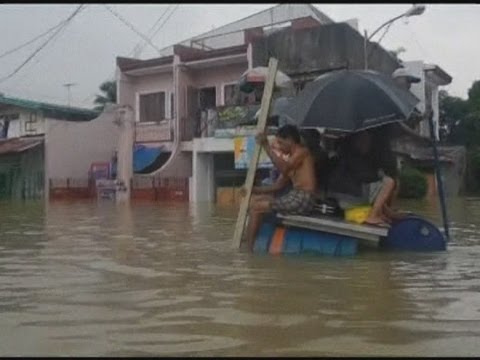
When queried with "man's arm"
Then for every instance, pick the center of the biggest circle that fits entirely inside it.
(283, 166)
(279, 184)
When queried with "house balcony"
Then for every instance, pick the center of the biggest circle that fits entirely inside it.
(226, 122)
(160, 134)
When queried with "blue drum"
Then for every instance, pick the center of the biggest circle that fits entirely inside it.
(415, 234)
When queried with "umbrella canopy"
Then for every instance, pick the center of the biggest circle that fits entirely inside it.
(349, 101)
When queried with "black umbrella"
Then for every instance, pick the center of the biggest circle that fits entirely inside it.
(350, 101)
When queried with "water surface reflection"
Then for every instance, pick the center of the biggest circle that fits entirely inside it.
(88, 279)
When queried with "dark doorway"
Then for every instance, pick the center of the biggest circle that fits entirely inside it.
(207, 98)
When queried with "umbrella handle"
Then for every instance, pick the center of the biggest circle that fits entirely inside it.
(438, 174)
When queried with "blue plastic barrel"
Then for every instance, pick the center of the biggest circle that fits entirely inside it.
(265, 234)
(319, 243)
(299, 241)
(415, 234)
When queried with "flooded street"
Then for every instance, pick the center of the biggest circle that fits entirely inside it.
(88, 279)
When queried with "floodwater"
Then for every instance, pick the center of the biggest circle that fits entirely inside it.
(86, 279)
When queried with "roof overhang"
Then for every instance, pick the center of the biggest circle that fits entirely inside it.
(127, 65)
(219, 61)
(160, 69)
(437, 74)
(19, 145)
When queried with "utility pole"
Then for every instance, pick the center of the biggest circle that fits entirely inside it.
(68, 86)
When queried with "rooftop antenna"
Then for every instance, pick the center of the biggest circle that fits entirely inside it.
(68, 86)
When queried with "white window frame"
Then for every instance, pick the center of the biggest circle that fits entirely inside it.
(222, 91)
(148, 92)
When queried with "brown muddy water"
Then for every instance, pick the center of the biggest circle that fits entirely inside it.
(88, 279)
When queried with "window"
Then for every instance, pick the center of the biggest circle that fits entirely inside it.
(152, 107)
(5, 122)
(172, 106)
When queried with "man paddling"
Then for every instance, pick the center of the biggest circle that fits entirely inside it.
(299, 170)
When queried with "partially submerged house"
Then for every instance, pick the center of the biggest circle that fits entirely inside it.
(47, 148)
(187, 102)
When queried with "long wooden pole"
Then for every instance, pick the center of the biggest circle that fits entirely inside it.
(261, 125)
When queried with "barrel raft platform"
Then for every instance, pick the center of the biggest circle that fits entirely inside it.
(291, 235)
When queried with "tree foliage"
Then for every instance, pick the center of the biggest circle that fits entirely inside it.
(108, 96)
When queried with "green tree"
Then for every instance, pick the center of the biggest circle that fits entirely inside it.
(108, 96)
(463, 120)
(474, 96)
(453, 110)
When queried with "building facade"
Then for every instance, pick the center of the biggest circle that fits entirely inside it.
(188, 106)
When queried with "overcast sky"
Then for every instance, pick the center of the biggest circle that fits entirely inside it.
(85, 52)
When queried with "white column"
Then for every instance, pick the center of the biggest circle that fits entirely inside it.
(203, 186)
(250, 56)
(194, 186)
(125, 152)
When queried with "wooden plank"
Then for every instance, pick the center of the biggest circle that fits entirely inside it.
(368, 234)
(261, 125)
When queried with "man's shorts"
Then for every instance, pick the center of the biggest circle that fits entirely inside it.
(295, 202)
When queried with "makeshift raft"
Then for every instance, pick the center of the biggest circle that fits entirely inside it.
(283, 234)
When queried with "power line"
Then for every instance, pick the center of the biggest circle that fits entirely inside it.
(38, 58)
(381, 38)
(425, 52)
(138, 47)
(163, 24)
(160, 27)
(11, 51)
(66, 22)
(127, 23)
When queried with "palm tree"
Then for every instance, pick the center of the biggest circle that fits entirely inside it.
(109, 96)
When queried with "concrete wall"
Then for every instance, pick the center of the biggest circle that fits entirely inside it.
(427, 92)
(181, 168)
(71, 147)
(322, 48)
(125, 90)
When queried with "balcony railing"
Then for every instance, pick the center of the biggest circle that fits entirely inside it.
(224, 121)
(154, 132)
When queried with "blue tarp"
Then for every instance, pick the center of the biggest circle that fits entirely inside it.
(144, 156)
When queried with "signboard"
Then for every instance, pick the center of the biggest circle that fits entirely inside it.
(100, 170)
(244, 147)
(153, 132)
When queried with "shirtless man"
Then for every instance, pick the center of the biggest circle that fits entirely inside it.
(299, 169)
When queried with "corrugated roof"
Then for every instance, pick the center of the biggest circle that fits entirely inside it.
(53, 111)
(18, 145)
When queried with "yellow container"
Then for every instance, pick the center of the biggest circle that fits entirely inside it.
(358, 214)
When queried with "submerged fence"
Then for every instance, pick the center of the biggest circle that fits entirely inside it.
(142, 188)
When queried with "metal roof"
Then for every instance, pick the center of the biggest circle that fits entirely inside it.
(53, 111)
(18, 145)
